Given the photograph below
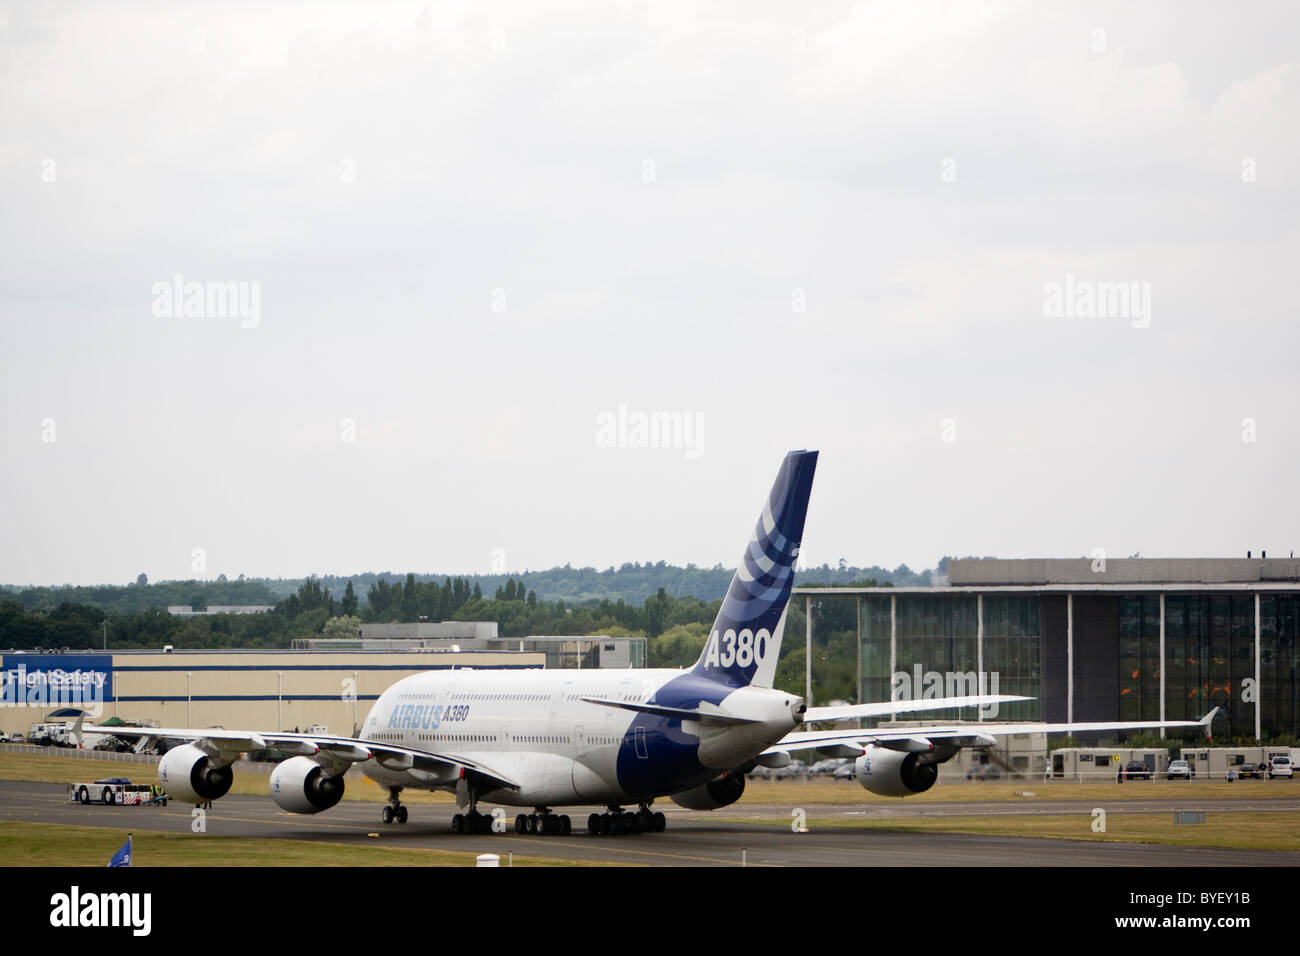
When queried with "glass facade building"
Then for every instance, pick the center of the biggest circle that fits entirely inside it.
(1134, 653)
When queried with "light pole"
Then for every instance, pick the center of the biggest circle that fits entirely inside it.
(189, 698)
(279, 699)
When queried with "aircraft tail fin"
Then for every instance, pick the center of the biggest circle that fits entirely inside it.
(745, 640)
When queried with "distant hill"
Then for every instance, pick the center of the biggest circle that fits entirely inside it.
(632, 583)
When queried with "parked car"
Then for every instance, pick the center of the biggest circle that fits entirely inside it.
(1137, 770)
(1279, 767)
(984, 771)
(1180, 770)
(846, 771)
(1252, 771)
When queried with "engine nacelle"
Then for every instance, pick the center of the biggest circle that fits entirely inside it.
(721, 792)
(888, 773)
(299, 785)
(190, 776)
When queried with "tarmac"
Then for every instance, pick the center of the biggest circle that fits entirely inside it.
(692, 839)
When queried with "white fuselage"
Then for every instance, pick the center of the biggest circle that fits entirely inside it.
(534, 728)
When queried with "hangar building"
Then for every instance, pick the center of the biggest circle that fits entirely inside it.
(1119, 639)
(246, 689)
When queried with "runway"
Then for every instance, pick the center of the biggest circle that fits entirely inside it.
(692, 839)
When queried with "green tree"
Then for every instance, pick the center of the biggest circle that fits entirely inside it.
(341, 627)
(410, 602)
(679, 646)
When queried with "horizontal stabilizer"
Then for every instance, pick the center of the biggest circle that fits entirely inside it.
(716, 715)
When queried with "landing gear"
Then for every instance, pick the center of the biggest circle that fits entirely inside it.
(651, 821)
(543, 822)
(394, 810)
(473, 821)
(619, 821)
(479, 824)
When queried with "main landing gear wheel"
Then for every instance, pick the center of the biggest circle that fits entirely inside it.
(394, 811)
(543, 822)
(619, 821)
(472, 822)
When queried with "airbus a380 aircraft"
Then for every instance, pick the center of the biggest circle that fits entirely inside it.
(550, 738)
(553, 738)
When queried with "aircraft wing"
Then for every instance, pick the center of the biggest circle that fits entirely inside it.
(856, 711)
(328, 749)
(965, 735)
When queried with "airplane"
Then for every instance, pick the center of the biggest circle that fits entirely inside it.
(559, 738)
(556, 738)
(900, 762)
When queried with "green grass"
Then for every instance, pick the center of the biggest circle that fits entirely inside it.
(805, 791)
(1278, 830)
(53, 844)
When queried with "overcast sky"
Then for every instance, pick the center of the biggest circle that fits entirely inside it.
(466, 234)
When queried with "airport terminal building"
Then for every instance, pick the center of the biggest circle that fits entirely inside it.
(1125, 639)
(266, 689)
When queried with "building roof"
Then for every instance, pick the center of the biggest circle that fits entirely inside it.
(1044, 571)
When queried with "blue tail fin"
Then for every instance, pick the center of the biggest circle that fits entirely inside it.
(745, 640)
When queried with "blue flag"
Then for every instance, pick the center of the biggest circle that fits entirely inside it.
(123, 856)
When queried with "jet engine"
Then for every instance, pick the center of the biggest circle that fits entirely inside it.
(889, 773)
(190, 776)
(717, 793)
(300, 785)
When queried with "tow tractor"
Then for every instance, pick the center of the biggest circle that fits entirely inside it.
(116, 790)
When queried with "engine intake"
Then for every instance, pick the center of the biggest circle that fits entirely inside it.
(888, 773)
(300, 785)
(189, 775)
(723, 791)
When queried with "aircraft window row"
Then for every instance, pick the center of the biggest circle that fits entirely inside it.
(512, 697)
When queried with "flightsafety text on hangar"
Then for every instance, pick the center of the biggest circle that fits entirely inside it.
(54, 688)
